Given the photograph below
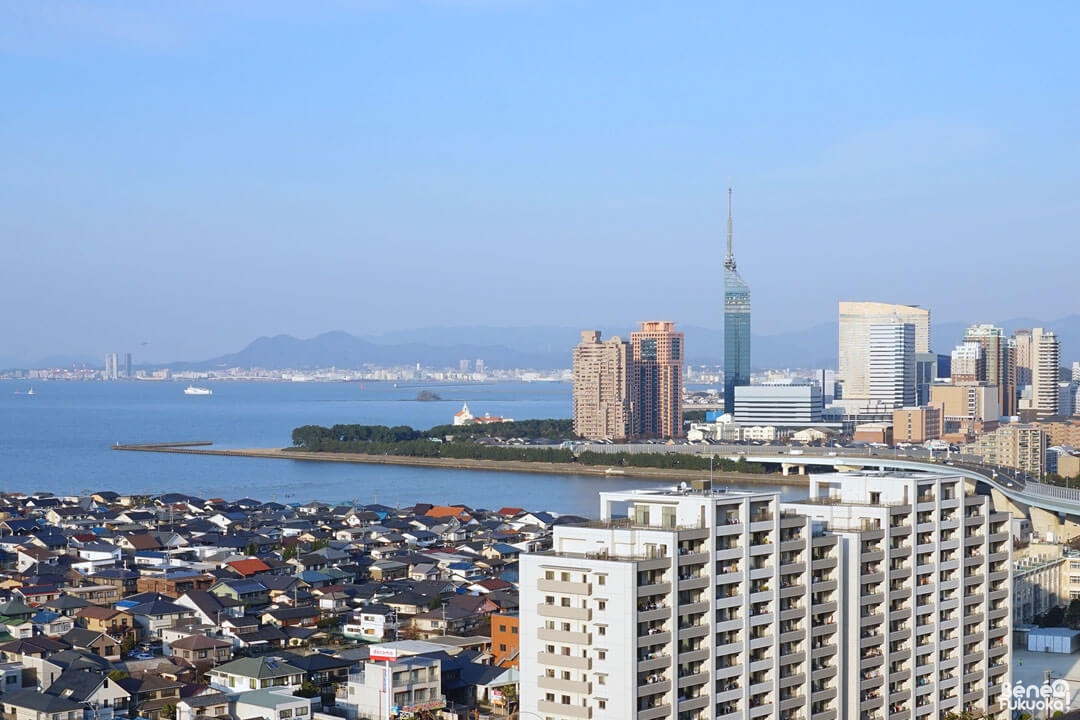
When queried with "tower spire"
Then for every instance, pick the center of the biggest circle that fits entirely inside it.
(729, 261)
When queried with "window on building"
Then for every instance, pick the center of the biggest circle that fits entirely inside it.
(565, 602)
(549, 574)
(565, 577)
(564, 699)
(601, 679)
(284, 714)
(602, 704)
(502, 647)
(601, 654)
(601, 604)
(601, 579)
(513, 630)
(601, 630)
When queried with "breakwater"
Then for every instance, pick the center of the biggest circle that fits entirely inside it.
(203, 447)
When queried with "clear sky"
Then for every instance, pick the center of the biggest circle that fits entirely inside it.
(195, 174)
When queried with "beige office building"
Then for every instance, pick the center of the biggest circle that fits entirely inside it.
(916, 425)
(602, 371)
(657, 379)
(856, 318)
(968, 408)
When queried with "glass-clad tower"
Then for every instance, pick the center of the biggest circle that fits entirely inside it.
(736, 324)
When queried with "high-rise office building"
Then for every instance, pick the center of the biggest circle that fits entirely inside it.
(929, 368)
(778, 404)
(602, 372)
(892, 365)
(127, 366)
(856, 318)
(998, 363)
(656, 383)
(1076, 372)
(1045, 371)
(698, 605)
(111, 366)
(736, 323)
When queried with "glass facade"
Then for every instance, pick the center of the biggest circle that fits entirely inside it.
(736, 336)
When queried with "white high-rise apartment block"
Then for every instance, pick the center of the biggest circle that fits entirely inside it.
(885, 595)
(1076, 372)
(1045, 371)
(112, 366)
(856, 318)
(925, 593)
(699, 604)
(892, 365)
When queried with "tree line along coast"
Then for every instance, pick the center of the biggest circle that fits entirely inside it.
(541, 441)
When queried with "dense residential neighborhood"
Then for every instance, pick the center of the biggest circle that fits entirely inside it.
(177, 607)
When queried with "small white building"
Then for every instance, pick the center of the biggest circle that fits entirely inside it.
(415, 686)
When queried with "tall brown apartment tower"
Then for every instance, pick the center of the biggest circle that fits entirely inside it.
(657, 380)
(602, 372)
(999, 363)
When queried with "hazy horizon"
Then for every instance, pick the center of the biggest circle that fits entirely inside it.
(179, 180)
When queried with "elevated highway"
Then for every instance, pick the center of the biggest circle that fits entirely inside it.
(1051, 508)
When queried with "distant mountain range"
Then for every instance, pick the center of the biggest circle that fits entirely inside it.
(546, 347)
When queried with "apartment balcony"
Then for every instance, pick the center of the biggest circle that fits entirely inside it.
(876, 598)
(583, 712)
(694, 608)
(902, 573)
(872, 556)
(653, 662)
(660, 612)
(729, 561)
(694, 582)
(564, 587)
(565, 637)
(657, 588)
(733, 625)
(729, 648)
(655, 712)
(731, 674)
(693, 558)
(700, 702)
(731, 601)
(971, 561)
(693, 679)
(560, 685)
(732, 694)
(570, 662)
(563, 613)
(652, 639)
(690, 632)
(692, 656)
(655, 684)
(787, 546)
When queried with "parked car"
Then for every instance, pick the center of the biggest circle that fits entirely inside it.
(140, 655)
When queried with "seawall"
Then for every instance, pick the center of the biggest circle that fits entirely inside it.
(201, 448)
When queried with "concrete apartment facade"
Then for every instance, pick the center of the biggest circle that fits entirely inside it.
(1015, 445)
(925, 590)
(601, 395)
(1045, 372)
(656, 386)
(699, 604)
(967, 363)
(856, 318)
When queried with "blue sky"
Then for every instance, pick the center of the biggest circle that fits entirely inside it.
(193, 175)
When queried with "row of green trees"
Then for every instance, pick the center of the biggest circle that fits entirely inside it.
(406, 442)
(317, 437)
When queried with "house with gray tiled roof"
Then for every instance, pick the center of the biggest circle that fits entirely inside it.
(252, 673)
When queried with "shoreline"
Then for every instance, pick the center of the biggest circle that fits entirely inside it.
(201, 448)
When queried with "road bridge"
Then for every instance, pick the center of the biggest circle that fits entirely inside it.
(1052, 509)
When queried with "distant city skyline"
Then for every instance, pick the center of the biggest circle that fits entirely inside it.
(196, 176)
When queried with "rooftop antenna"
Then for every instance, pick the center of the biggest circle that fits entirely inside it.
(729, 261)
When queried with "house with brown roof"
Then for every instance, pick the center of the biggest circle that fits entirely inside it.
(248, 567)
(454, 511)
(107, 620)
(200, 651)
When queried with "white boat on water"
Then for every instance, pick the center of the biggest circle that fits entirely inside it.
(27, 393)
(194, 390)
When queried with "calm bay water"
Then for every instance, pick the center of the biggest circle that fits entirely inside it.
(59, 441)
